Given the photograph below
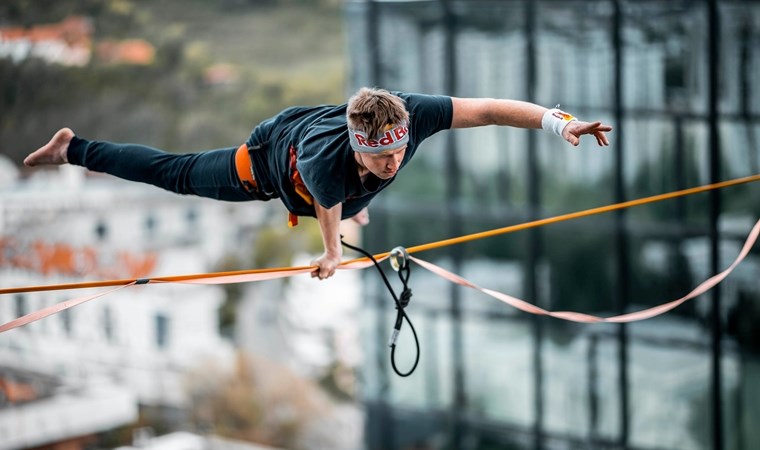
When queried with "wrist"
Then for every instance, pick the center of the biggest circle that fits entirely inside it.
(555, 120)
(334, 252)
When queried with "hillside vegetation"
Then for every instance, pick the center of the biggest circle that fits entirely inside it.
(280, 53)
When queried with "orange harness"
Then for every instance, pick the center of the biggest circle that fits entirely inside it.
(244, 168)
(245, 174)
(298, 185)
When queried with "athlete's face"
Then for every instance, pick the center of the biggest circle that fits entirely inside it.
(383, 165)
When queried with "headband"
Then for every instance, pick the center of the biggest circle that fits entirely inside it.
(392, 139)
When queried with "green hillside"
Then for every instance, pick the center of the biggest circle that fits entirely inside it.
(281, 53)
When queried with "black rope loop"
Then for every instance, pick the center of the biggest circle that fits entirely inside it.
(406, 296)
(401, 303)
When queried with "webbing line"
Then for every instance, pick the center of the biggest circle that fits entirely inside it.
(232, 275)
(269, 274)
(584, 213)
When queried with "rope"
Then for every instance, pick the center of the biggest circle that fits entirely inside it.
(418, 248)
(584, 213)
(166, 279)
(401, 304)
(241, 276)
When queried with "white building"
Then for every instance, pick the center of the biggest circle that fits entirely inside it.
(129, 347)
(137, 345)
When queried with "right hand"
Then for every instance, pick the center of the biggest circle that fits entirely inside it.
(326, 265)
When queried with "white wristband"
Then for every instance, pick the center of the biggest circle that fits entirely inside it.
(555, 120)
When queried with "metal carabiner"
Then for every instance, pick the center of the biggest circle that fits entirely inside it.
(399, 258)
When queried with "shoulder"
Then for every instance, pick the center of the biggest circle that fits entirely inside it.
(425, 101)
(428, 113)
(308, 113)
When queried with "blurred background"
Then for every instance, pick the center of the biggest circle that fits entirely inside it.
(300, 364)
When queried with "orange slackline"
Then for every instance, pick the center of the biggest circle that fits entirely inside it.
(418, 248)
(584, 213)
(166, 279)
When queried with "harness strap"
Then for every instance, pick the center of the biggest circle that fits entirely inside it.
(245, 169)
(298, 185)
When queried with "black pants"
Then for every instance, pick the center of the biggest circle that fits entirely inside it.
(209, 174)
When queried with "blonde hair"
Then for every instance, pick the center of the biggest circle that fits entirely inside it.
(372, 110)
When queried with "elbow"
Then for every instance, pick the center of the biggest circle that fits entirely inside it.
(488, 114)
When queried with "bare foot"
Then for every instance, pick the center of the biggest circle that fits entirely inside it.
(54, 152)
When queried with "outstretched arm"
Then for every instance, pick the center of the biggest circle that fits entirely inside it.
(478, 112)
(329, 225)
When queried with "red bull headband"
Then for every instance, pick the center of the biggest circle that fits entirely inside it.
(394, 137)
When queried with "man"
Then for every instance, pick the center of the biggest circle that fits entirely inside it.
(326, 161)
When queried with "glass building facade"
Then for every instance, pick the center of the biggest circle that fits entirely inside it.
(678, 81)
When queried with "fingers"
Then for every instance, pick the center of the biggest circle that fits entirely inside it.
(315, 274)
(322, 273)
(593, 128)
(588, 127)
(325, 268)
(597, 129)
(601, 139)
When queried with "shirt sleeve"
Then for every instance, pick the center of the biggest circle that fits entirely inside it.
(428, 114)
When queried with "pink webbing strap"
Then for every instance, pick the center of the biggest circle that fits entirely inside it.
(587, 318)
(58, 307)
(244, 278)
